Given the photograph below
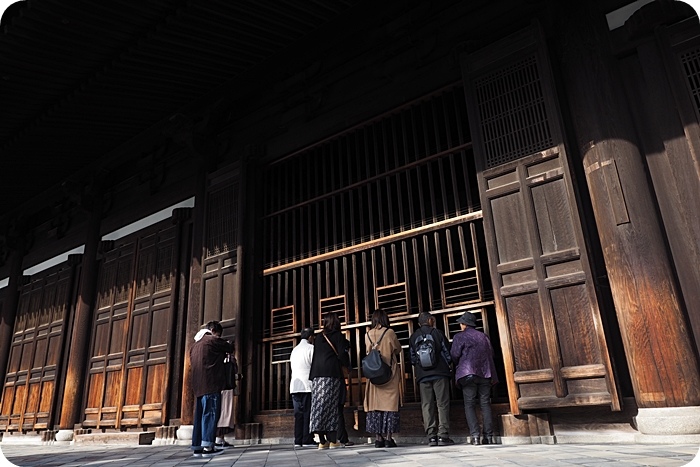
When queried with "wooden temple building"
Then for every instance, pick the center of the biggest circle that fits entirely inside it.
(533, 162)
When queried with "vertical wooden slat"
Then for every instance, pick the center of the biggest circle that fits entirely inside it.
(426, 252)
(450, 253)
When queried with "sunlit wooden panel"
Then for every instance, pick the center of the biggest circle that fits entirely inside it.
(155, 383)
(133, 386)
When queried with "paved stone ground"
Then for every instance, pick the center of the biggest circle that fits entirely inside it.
(276, 455)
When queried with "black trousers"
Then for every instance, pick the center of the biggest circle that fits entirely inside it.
(302, 415)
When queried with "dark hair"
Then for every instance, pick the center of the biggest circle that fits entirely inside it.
(330, 322)
(215, 327)
(306, 333)
(424, 318)
(380, 317)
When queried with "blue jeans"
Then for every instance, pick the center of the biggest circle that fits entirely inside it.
(206, 415)
(481, 388)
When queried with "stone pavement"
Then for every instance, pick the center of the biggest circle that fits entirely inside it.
(279, 455)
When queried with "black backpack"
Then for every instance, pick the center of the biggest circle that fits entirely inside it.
(374, 367)
(425, 351)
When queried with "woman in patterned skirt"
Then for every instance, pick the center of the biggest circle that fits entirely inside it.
(326, 375)
(382, 402)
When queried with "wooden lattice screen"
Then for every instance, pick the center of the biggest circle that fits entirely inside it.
(514, 120)
(384, 215)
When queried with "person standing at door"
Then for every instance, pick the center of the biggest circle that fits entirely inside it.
(326, 374)
(207, 363)
(475, 373)
(382, 402)
(430, 356)
(300, 388)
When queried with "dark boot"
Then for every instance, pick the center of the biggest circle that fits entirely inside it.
(475, 440)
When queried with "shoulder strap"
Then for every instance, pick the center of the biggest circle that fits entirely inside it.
(330, 343)
(380, 339)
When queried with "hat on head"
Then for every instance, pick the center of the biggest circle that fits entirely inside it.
(467, 318)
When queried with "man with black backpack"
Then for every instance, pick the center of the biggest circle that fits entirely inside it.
(430, 356)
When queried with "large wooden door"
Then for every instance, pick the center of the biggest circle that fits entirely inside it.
(128, 369)
(32, 384)
(548, 314)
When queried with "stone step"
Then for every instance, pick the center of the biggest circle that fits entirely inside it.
(123, 437)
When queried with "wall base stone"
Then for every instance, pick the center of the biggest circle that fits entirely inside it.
(669, 421)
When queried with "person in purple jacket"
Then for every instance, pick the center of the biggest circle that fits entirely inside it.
(475, 373)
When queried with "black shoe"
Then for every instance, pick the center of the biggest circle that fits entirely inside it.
(487, 440)
(379, 443)
(475, 440)
(390, 443)
(197, 453)
(433, 441)
(445, 441)
(211, 452)
(223, 445)
(348, 444)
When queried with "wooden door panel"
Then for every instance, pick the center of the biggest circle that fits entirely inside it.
(132, 330)
(527, 333)
(510, 228)
(552, 336)
(553, 217)
(577, 338)
(37, 349)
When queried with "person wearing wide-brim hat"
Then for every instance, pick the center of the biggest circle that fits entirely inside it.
(475, 373)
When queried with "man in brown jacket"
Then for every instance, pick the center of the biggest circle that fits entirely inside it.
(207, 363)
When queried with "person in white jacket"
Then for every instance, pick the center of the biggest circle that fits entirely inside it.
(300, 389)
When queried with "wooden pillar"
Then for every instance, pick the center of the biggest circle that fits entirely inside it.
(669, 127)
(79, 347)
(9, 308)
(249, 257)
(182, 218)
(192, 319)
(662, 362)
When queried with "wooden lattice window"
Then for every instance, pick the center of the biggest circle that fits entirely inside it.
(281, 351)
(121, 288)
(104, 297)
(222, 221)
(144, 272)
(513, 116)
(164, 267)
(460, 287)
(691, 66)
(282, 320)
(393, 299)
(333, 305)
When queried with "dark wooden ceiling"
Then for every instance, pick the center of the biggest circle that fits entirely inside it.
(79, 78)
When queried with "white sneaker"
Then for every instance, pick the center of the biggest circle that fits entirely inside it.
(211, 452)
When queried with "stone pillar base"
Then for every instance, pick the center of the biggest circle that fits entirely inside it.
(669, 421)
(64, 437)
(184, 435)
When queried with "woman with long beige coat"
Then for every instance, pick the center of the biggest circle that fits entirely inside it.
(382, 402)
